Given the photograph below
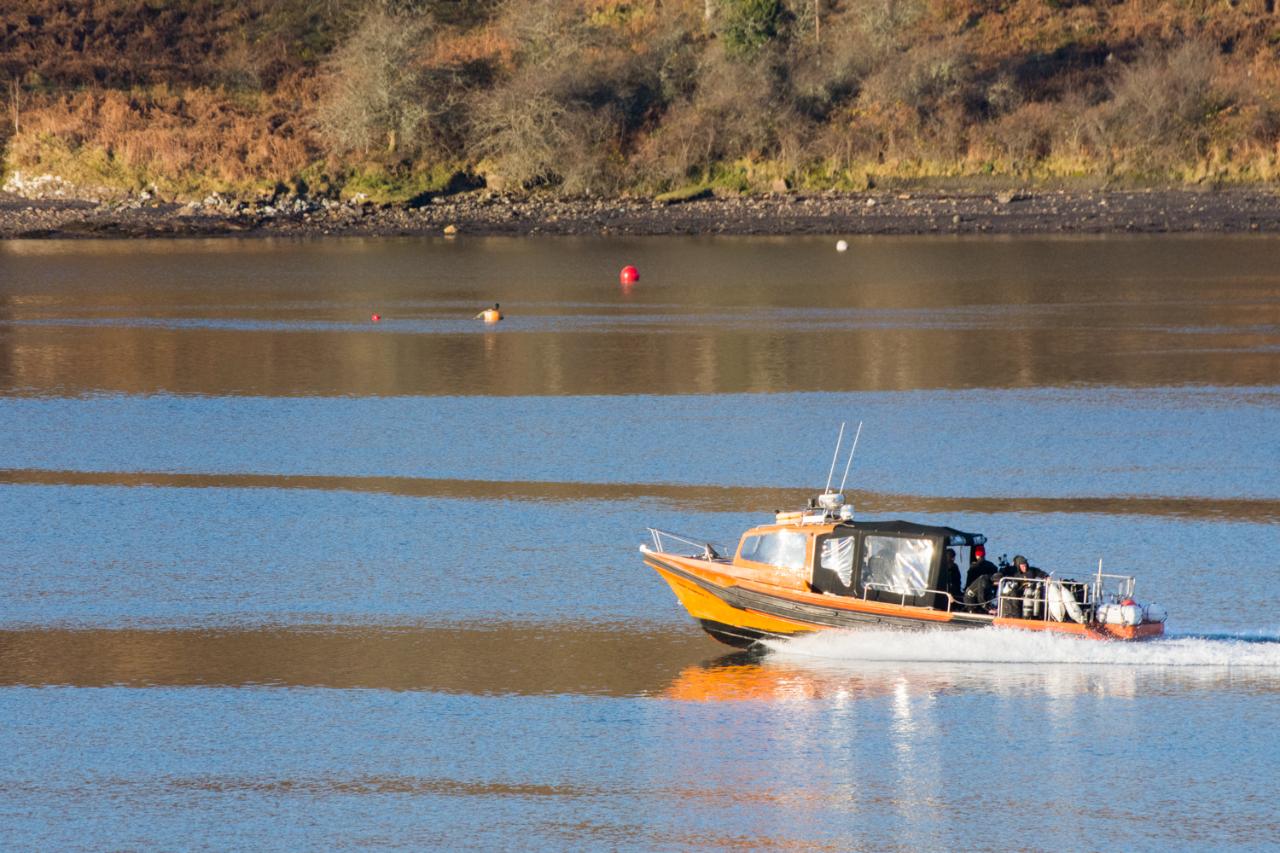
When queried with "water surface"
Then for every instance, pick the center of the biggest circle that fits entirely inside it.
(279, 576)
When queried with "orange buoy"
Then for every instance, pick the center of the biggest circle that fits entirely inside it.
(490, 315)
(629, 275)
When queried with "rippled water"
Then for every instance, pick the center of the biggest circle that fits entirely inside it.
(279, 576)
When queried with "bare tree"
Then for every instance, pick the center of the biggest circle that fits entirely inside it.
(1162, 103)
(15, 93)
(376, 90)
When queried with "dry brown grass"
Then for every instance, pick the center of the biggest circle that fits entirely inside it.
(178, 141)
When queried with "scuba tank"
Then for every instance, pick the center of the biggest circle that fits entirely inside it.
(1031, 600)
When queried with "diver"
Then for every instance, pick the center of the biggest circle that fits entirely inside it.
(951, 576)
(1020, 597)
(979, 583)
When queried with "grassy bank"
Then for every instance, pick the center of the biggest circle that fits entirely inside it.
(402, 99)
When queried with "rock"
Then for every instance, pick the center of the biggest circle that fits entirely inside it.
(1010, 196)
(779, 186)
(38, 186)
(450, 230)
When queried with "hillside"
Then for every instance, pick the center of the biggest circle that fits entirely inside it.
(599, 97)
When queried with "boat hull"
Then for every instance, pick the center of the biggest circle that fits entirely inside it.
(740, 612)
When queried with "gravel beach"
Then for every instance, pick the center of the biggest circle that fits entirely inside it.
(487, 213)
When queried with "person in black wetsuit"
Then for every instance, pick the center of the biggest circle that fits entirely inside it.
(979, 583)
(1022, 599)
(1023, 569)
(951, 576)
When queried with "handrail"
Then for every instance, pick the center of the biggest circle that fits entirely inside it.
(1029, 594)
(952, 601)
(704, 549)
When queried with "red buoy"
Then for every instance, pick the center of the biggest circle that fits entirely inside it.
(375, 317)
(629, 275)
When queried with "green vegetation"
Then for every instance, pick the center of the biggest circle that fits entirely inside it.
(689, 193)
(396, 100)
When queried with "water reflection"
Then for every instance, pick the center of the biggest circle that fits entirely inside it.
(767, 681)
(151, 360)
(590, 659)
(479, 659)
(285, 319)
(708, 498)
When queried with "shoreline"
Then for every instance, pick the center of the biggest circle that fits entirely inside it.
(485, 213)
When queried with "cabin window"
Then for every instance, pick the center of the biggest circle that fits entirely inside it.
(784, 549)
(895, 564)
(837, 556)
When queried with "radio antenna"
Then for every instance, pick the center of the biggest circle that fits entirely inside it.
(850, 462)
(834, 457)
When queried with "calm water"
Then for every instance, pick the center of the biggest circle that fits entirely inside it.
(278, 576)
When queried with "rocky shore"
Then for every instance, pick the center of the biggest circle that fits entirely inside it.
(488, 213)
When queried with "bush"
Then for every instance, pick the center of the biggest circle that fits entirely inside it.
(886, 22)
(1161, 106)
(733, 114)
(531, 133)
(748, 25)
(564, 115)
(375, 95)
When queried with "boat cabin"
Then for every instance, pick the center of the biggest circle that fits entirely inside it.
(892, 561)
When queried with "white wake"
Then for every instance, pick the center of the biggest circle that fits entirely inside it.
(1006, 646)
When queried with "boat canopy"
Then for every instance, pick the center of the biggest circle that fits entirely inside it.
(897, 561)
(950, 535)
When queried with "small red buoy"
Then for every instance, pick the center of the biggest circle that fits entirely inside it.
(375, 317)
(629, 275)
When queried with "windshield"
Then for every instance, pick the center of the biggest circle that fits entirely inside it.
(783, 548)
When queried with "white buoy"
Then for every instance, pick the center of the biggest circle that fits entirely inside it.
(842, 246)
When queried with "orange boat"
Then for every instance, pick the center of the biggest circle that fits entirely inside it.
(819, 569)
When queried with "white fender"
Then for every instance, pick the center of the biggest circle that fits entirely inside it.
(1054, 594)
(1073, 607)
(1155, 613)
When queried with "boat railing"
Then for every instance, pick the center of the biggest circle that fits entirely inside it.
(904, 594)
(1111, 588)
(684, 546)
(1027, 598)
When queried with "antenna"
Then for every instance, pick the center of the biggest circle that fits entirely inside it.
(850, 462)
(834, 457)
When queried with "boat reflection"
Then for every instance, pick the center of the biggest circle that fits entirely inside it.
(755, 677)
